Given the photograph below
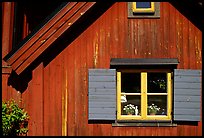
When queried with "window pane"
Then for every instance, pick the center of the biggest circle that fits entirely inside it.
(158, 101)
(143, 4)
(130, 82)
(132, 101)
(156, 83)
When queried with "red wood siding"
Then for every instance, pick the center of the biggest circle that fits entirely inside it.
(112, 35)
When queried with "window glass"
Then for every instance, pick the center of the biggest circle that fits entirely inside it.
(132, 105)
(142, 94)
(157, 105)
(156, 83)
(131, 82)
(143, 4)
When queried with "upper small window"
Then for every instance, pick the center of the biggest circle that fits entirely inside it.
(143, 7)
(143, 10)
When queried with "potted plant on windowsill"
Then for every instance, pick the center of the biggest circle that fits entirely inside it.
(129, 109)
(152, 109)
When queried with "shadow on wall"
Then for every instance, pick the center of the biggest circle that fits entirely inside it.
(19, 82)
(192, 10)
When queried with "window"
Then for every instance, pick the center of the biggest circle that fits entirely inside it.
(143, 7)
(141, 83)
(143, 10)
(143, 89)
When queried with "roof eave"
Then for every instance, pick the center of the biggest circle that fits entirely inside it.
(47, 35)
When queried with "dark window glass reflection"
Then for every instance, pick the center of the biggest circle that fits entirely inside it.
(130, 82)
(157, 83)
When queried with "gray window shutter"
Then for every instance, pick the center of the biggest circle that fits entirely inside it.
(102, 94)
(187, 95)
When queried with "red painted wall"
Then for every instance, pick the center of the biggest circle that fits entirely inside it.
(113, 35)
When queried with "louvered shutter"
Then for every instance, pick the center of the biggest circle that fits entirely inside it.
(102, 94)
(187, 95)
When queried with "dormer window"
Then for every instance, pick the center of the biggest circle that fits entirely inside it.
(143, 7)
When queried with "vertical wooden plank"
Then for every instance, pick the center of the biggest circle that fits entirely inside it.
(172, 32)
(47, 97)
(4, 87)
(7, 28)
(83, 83)
(77, 87)
(107, 37)
(25, 26)
(26, 104)
(52, 88)
(114, 36)
(132, 43)
(95, 45)
(64, 95)
(141, 39)
(89, 59)
(37, 101)
(161, 52)
(101, 39)
(191, 46)
(178, 40)
(185, 43)
(152, 31)
(166, 27)
(148, 38)
(58, 97)
(198, 43)
(71, 90)
(122, 28)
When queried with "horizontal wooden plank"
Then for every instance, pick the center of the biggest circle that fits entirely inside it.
(102, 104)
(100, 116)
(188, 98)
(100, 100)
(187, 85)
(189, 79)
(104, 85)
(102, 110)
(192, 105)
(102, 72)
(187, 72)
(93, 97)
(98, 105)
(99, 91)
(188, 111)
(195, 92)
(186, 118)
(102, 78)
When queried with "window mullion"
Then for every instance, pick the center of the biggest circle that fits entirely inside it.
(144, 94)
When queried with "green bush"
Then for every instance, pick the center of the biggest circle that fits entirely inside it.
(14, 119)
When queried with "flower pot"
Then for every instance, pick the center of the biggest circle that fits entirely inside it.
(129, 113)
(152, 113)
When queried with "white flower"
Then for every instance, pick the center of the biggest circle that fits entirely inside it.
(153, 108)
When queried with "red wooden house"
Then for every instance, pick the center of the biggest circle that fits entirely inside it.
(76, 66)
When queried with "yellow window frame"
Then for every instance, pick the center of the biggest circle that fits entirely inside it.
(144, 94)
(143, 10)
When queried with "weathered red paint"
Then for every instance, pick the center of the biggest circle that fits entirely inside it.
(112, 35)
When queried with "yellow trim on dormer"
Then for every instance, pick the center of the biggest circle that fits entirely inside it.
(143, 10)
